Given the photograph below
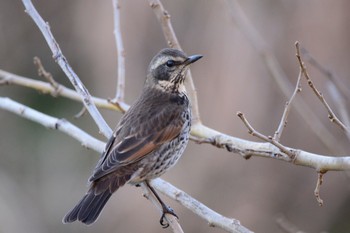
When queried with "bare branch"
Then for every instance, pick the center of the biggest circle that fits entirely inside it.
(164, 19)
(332, 117)
(283, 122)
(7, 78)
(213, 218)
(47, 75)
(119, 95)
(279, 76)
(269, 139)
(52, 123)
(80, 113)
(248, 148)
(318, 187)
(67, 69)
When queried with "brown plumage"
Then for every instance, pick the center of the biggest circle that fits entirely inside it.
(149, 139)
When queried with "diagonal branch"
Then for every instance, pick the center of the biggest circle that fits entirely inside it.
(47, 75)
(67, 69)
(213, 218)
(331, 115)
(283, 122)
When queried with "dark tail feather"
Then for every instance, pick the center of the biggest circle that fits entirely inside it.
(89, 207)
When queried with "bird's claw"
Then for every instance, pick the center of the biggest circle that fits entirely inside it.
(166, 210)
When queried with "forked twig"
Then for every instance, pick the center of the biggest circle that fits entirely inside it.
(279, 76)
(269, 139)
(67, 69)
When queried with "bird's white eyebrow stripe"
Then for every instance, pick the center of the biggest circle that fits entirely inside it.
(161, 60)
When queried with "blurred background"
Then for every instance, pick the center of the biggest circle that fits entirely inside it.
(43, 173)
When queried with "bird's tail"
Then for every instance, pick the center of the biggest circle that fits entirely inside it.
(89, 207)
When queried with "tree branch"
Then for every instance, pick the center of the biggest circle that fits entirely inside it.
(67, 69)
(52, 123)
(213, 218)
(119, 95)
(7, 78)
(283, 122)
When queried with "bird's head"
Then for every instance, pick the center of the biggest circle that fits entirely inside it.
(167, 70)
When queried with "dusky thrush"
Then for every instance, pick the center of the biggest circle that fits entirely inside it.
(149, 139)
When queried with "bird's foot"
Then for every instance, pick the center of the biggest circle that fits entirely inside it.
(166, 210)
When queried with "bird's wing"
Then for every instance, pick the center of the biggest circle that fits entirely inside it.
(136, 137)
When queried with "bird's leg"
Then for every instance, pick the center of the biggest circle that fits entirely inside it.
(165, 209)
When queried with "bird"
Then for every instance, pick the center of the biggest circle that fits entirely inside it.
(148, 140)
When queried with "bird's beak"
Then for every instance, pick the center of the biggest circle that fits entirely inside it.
(192, 59)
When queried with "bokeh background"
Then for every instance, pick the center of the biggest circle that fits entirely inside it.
(43, 173)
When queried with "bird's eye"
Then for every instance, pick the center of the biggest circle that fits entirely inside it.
(170, 63)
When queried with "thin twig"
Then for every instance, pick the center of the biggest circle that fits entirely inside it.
(279, 76)
(283, 122)
(331, 115)
(318, 187)
(337, 89)
(47, 75)
(164, 19)
(67, 69)
(119, 94)
(268, 139)
(80, 113)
